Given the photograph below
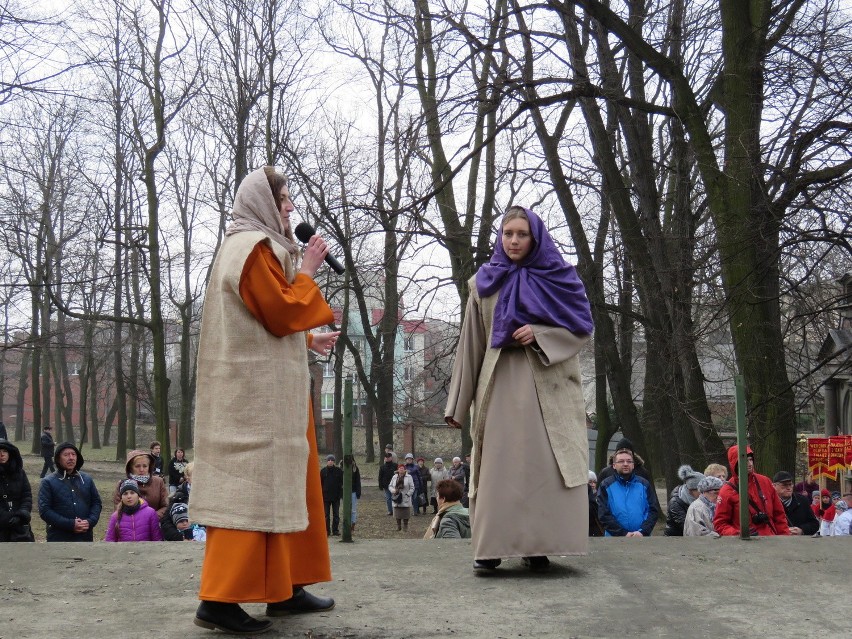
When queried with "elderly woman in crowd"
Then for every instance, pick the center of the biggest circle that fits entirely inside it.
(699, 516)
(402, 492)
(681, 498)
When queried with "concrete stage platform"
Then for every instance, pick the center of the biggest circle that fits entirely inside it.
(655, 587)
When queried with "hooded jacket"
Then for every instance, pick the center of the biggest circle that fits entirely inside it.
(761, 495)
(16, 496)
(63, 496)
(154, 491)
(141, 525)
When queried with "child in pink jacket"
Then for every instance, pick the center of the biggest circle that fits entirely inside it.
(134, 520)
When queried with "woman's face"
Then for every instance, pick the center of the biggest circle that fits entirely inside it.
(129, 498)
(286, 207)
(4, 455)
(517, 239)
(140, 465)
(400, 471)
(179, 454)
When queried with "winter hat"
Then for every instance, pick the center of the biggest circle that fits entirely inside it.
(330, 458)
(815, 494)
(438, 460)
(179, 512)
(689, 477)
(420, 459)
(456, 459)
(592, 476)
(409, 456)
(709, 483)
(624, 443)
(835, 495)
(128, 484)
(825, 493)
(840, 506)
(782, 476)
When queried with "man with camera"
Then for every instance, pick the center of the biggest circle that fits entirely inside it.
(766, 512)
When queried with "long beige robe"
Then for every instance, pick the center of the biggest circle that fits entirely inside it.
(250, 413)
(528, 494)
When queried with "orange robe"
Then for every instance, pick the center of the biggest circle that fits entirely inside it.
(242, 566)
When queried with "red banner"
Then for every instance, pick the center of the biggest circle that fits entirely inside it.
(837, 453)
(818, 457)
(847, 458)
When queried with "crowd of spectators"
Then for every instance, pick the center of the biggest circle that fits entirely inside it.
(622, 498)
(707, 504)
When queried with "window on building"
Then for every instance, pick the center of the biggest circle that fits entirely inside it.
(328, 401)
(409, 343)
(328, 368)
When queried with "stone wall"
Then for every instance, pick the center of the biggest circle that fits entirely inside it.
(428, 442)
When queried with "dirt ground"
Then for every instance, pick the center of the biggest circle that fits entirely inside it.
(373, 521)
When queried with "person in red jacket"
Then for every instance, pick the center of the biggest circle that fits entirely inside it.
(766, 512)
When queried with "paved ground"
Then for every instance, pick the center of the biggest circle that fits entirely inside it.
(653, 587)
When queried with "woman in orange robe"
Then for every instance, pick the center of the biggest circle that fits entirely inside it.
(255, 553)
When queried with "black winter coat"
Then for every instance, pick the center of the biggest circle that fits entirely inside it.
(676, 515)
(16, 496)
(176, 469)
(799, 514)
(47, 446)
(386, 473)
(167, 526)
(332, 483)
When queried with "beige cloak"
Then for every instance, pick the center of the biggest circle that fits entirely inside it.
(529, 465)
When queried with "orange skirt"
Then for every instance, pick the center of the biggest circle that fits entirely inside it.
(247, 566)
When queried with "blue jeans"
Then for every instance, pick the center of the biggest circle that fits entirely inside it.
(389, 501)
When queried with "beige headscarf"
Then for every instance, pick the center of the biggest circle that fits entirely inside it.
(255, 210)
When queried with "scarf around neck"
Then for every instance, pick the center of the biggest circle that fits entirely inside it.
(542, 289)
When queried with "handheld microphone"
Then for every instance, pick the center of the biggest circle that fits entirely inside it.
(304, 232)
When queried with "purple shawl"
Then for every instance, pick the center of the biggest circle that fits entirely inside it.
(543, 289)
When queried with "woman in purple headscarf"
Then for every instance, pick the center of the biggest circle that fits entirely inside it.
(527, 317)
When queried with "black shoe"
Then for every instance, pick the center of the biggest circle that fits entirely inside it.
(335, 534)
(486, 564)
(537, 564)
(228, 617)
(301, 601)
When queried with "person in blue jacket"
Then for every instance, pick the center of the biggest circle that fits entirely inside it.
(68, 500)
(626, 504)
